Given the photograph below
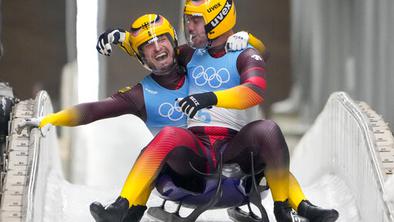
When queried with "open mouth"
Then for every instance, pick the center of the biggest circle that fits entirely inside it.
(161, 56)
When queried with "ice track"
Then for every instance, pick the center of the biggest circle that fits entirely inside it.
(342, 162)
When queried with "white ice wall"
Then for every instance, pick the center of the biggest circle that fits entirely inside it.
(342, 143)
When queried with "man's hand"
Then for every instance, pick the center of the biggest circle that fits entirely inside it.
(191, 104)
(30, 122)
(34, 122)
(237, 41)
(39, 122)
(105, 40)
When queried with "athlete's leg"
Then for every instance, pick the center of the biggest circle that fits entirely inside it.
(296, 195)
(251, 134)
(172, 147)
(265, 139)
(140, 180)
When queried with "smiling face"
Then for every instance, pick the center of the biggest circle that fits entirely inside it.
(195, 31)
(159, 54)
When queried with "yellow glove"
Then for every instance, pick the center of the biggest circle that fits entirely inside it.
(67, 117)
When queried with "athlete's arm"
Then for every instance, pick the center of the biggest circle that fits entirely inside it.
(118, 37)
(125, 45)
(259, 46)
(250, 92)
(126, 101)
(184, 54)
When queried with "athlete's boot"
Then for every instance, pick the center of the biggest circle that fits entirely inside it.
(115, 212)
(284, 213)
(316, 214)
(135, 213)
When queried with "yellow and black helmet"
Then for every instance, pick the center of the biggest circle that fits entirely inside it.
(147, 28)
(219, 15)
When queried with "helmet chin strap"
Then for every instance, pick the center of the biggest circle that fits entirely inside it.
(209, 44)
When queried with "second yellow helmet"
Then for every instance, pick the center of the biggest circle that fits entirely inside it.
(219, 15)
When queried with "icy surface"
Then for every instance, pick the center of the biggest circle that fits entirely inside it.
(68, 202)
(389, 186)
(329, 191)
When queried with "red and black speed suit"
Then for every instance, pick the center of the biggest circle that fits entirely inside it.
(199, 146)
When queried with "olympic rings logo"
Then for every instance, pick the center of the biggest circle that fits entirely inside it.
(172, 112)
(214, 78)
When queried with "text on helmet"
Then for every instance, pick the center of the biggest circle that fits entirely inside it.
(213, 7)
(221, 15)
